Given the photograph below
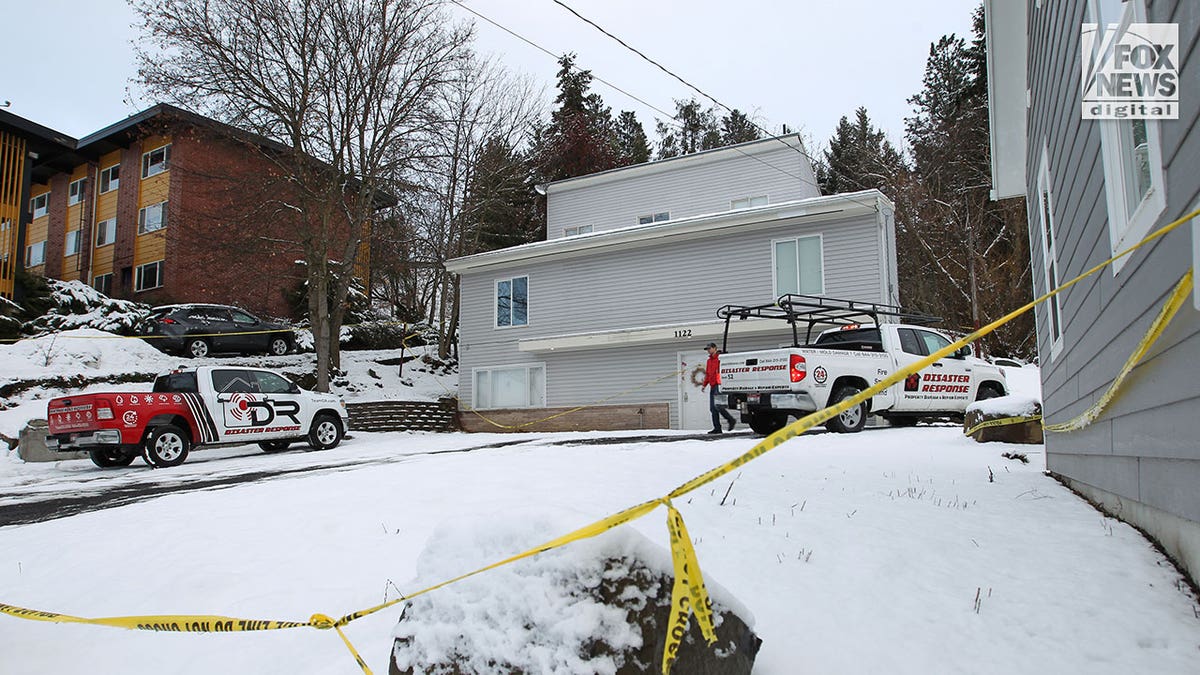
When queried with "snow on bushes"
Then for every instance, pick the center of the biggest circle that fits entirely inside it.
(77, 305)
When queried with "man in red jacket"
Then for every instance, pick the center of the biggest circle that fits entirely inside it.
(712, 380)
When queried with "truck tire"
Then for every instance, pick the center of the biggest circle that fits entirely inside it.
(274, 446)
(851, 421)
(326, 432)
(767, 422)
(197, 348)
(279, 346)
(107, 459)
(166, 446)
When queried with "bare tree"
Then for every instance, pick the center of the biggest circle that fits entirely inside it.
(346, 87)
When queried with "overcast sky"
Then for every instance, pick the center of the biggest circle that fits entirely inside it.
(804, 63)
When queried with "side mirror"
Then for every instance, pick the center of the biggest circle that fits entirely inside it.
(963, 352)
(294, 389)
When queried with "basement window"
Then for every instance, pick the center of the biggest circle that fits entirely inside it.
(521, 386)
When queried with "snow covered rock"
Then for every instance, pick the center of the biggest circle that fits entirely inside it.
(595, 606)
(1006, 408)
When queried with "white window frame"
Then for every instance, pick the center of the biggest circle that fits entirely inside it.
(651, 218)
(480, 403)
(75, 191)
(149, 169)
(139, 276)
(40, 247)
(107, 227)
(108, 182)
(39, 211)
(748, 202)
(144, 215)
(1126, 225)
(96, 283)
(1051, 266)
(576, 231)
(774, 263)
(71, 243)
(496, 302)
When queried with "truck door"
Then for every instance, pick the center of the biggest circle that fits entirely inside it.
(237, 404)
(291, 417)
(948, 382)
(908, 391)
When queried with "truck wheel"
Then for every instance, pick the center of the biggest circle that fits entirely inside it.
(166, 446)
(987, 391)
(851, 421)
(326, 432)
(274, 446)
(197, 348)
(279, 346)
(766, 422)
(106, 459)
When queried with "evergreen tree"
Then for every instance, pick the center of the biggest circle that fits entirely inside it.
(693, 129)
(632, 145)
(500, 209)
(580, 138)
(859, 157)
(737, 127)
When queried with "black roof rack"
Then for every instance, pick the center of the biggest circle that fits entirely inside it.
(813, 310)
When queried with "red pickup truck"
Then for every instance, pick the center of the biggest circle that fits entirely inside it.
(188, 408)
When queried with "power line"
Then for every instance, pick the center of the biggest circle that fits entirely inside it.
(669, 116)
(691, 86)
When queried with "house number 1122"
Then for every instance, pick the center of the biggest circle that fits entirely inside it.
(685, 333)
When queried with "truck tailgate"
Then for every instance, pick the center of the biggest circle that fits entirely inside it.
(765, 370)
(76, 413)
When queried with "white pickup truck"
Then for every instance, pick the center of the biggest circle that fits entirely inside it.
(768, 386)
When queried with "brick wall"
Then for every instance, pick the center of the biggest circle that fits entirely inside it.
(594, 418)
(56, 228)
(127, 219)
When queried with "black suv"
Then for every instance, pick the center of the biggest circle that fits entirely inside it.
(199, 330)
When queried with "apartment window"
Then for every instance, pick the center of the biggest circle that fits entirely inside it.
(747, 202)
(75, 192)
(654, 218)
(35, 254)
(71, 245)
(149, 276)
(110, 178)
(799, 265)
(512, 302)
(153, 217)
(1130, 149)
(1045, 207)
(511, 387)
(106, 232)
(40, 205)
(156, 161)
(574, 231)
(5, 225)
(103, 283)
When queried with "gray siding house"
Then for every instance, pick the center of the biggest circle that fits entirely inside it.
(1093, 187)
(612, 311)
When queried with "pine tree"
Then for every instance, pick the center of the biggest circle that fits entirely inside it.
(632, 145)
(580, 138)
(500, 209)
(859, 157)
(693, 129)
(737, 127)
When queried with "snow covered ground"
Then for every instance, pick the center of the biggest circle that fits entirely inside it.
(893, 550)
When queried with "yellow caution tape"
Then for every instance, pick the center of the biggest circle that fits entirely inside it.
(685, 559)
(688, 594)
(1001, 422)
(1168, 311)
(176, 623)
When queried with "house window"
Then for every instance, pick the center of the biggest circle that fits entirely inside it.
(110, 178)
(75, 192)
(156, 161)
(106, 232)
(103, 283)
(574, 231)
(40, 205)
(35, 254)
(1130, 150)
(1045, 207)
(511, 387)
(747, 202)
(153, 217)
(71, 246)
(799, 265)
(512, 302)
(654, 218)
(149, 276)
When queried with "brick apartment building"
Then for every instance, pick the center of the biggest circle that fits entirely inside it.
(165, 206)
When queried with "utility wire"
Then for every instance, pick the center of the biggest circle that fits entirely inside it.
(669, 116)
(691, 86)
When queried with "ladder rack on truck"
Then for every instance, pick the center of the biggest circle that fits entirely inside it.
(816, 310)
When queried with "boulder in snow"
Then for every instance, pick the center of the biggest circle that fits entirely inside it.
(1007, 408)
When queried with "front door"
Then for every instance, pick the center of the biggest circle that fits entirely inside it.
(693, 403)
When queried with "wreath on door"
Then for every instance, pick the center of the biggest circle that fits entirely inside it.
(698, 376)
